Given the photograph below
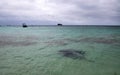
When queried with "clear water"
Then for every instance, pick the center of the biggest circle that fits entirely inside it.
(35, 50)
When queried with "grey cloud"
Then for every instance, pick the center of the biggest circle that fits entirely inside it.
(101, 9)
(65, 11)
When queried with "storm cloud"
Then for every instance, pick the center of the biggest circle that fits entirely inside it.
(105, 12)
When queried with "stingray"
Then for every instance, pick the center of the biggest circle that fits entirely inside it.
(74, 54)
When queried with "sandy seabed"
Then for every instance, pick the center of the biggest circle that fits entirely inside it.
(60, 51)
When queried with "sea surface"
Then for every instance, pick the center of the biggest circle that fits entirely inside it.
(90, 50)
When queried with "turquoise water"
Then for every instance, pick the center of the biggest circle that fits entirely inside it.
(35, 50)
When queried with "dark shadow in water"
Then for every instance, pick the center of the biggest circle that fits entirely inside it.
(72, 40)
(102, 40)
(8, 40)
(5, 67)
(74, 54)
(115, 73)
(16, 43)
(56, 42)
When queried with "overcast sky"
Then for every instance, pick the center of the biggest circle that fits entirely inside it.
(47, 12)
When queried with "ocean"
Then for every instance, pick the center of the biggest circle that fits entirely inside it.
(60, 50)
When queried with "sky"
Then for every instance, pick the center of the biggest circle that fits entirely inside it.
(67, 12)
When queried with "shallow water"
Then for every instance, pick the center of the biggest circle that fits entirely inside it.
(35, 50)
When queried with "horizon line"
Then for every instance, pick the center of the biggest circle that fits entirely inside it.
(32, 25)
